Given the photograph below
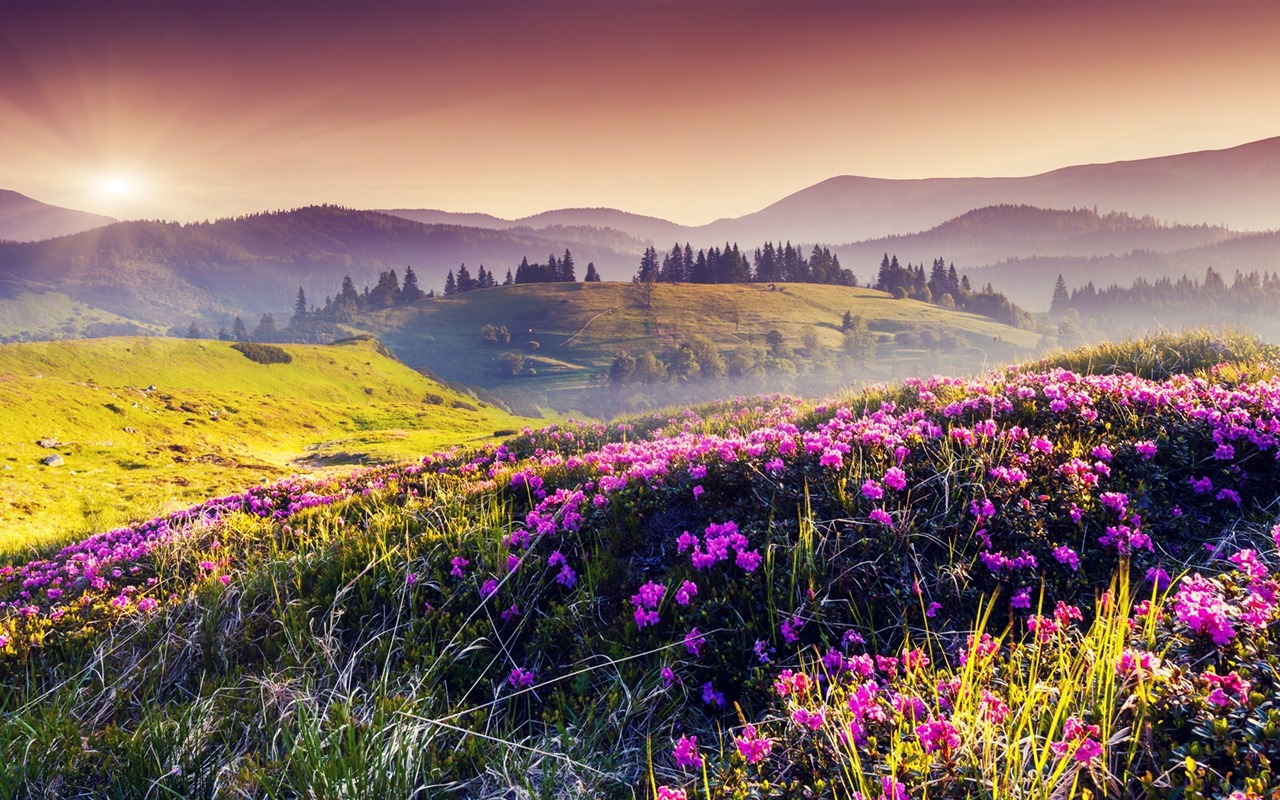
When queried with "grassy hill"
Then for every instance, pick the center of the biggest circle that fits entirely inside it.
(147, 425)
(948, 589)
(580, 327)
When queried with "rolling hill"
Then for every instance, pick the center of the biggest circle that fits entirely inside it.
(570, 333)
(23, 219)
(147, 425)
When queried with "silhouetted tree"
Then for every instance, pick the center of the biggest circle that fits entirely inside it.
(410, 292)
(238, 331)
(592, 276)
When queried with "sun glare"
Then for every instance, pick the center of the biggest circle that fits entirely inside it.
(117, 186)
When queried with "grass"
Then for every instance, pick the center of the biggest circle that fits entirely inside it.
(371, 635)
(580, 327)
(214, 421)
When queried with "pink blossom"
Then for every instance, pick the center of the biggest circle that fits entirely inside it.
(686, 753)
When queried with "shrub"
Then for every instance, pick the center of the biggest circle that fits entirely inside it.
(263, 353)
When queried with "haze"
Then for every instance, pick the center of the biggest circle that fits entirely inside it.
(689, 111)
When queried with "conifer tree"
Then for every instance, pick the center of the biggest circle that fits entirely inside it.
(238, 331)
(1060, 297)
(450, 284)
(592, 276)
(567, 273)
(410, 292)
(266, 330)
(509, 279)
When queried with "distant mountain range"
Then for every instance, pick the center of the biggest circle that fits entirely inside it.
(25, 220)
(1101, 222)
(1238, 188)
(162, 272)
(999, 233)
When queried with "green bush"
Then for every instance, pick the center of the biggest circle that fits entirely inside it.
(263, 353)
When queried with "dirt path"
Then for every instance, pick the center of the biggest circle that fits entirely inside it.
(585, 325)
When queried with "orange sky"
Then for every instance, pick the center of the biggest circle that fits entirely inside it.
(684, 110)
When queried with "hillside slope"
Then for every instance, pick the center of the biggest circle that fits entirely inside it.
(941, 590)
(23, 219)
(168, 273)
(579, 328)
(146, 425)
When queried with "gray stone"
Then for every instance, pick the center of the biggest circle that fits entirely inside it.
(52, 461)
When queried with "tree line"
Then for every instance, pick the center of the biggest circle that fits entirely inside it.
(1208, 301)
(772, 263)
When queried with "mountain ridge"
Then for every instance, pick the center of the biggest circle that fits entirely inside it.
(25, 219)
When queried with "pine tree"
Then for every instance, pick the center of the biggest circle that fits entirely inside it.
(567, 273)
(193, 332)
(649, 268)
(223, 335)
(300, 313)
(465, 282)
(509, 279)
(450, 284)
(238, 331)
(592, 276)
(349, 292)
(410, 292)
(1060, 297)
(266, 330)
(846, 323)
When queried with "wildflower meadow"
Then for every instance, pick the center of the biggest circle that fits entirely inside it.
(1052, 581)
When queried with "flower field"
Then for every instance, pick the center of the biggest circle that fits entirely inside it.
(1054, 581)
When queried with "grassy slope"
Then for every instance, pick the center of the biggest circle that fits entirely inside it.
(130, 451)
(580, 327)
(339, 657)
(52, 315)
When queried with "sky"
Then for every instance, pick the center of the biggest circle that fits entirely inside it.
(690, 111)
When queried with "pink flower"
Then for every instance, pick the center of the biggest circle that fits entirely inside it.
(686, 753)
(813, 720)
(686, 592)
(939, 735)
(895, 479)
(748, 560)
(753, 747)
(459, 567)
(693, 642)
(872, 490)
(668, 793)
(520, 679)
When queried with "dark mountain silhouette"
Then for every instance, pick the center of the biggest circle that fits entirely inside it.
(25, 220)
(997, 233)
(164, 272)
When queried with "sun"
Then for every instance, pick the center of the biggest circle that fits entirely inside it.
(118, 186)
